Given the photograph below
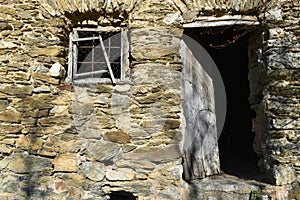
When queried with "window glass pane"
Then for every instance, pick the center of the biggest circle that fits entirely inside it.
(100, 66)
(85, 34)
(106, 42)
(116, 68)
(85, 43)
(106, 75)
(99, 56)
(96, 42)
(84, 54)
(84, 67)
(115, 40)
(115, 54)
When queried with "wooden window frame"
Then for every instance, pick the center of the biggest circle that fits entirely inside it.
(73, 56)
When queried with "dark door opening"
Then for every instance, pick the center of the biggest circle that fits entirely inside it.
(235, 143)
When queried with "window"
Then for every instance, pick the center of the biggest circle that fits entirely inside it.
(97, 55)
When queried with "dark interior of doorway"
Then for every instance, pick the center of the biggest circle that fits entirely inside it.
(235, 143)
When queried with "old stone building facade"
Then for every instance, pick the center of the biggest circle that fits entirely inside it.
(62, 139)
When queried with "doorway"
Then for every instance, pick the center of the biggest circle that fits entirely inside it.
(228, 47)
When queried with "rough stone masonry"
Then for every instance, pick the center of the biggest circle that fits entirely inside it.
(64, 141)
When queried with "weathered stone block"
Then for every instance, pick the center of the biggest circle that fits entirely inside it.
(283, 175)
(171, 193)
(28, 121)
(169, 153)
(10, 128)
(123, 121)
(157, 44)
(5, 26)
(22, 163)
(64, 98)
(46, 153)
(51, 144)
(104, 89)
(90, 134)
(16, 90)
(45, 78)
(171, 124)
(29, 142)
(9, 184)
(59, 110)
(105, 121)
(10, 116)
(284, 60)
(39, 69)
(102, 151)
(68, 143)
(41, 90)
(4, 149)
(40, 101)
(6, 80)
(119, 102)
(93, 170)
(136, 164)
(7, 45)
(57, 70)
(18, 76)
(49, 51)
(286, 123)
(144, 74)
(55, 120)
(149, 98)
(118, 137)
(69, 183)
(120, 174)
(283, 74)
(65, 163)
(122, 88)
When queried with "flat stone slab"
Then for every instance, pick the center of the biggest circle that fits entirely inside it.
(169, 153)
(229, 187)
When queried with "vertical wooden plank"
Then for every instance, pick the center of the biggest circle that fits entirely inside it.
(75, 53)
(124, 53)
(200, 148)
(69, 78)
(93, 56)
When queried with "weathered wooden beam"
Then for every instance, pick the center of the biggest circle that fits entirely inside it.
(85, 39)
(70, 61)
(99, 29)
(75, 54)
(113, 80)
(89, 81)
(90, 73)
(222, 21)
(124, 53)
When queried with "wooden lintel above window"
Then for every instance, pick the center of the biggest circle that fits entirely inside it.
(99, 29)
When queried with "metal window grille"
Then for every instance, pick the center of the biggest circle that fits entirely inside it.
(97, 57)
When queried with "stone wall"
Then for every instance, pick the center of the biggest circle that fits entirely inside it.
(60, 141)
(280, 60)
(273, 75)
(84, 142)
